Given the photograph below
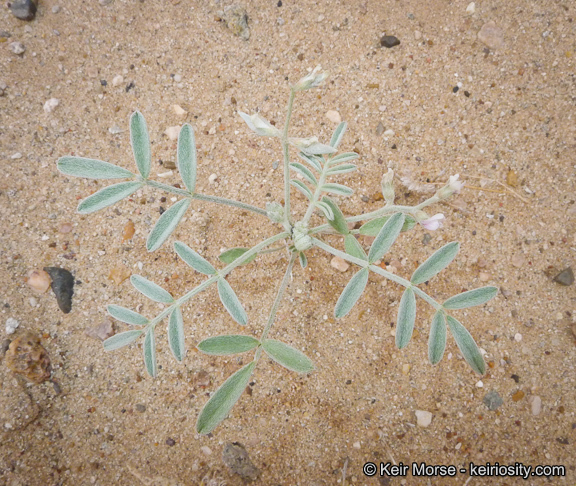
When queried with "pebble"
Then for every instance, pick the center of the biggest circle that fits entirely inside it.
(51, 105)
(518, 260)
(33, 302)
(238, 461)
(339, 264)
(17, 48)
(129, 231)
(484, 277)
(235, 18)
(177, 78)
(206, 450)
(480, 384)
(65, 228)
(115, 130)
(117, 80)
(565, 277)
(212, 178)
(389, 133)
(518, 337)
(491, 35)
(170, 442)
(23, 9)
(471, 8)
(3, 87)
(11, 325)
(63, 287)
(119, 274)
(426, 238)
(512, 178)
(493, 400)
(27, 357)
(535, 404)
(423, 418)
(39, 280)
(172, 132)
(333, 116)
(417, 35)
(389, 41)
(140, 407)
(380, 129)
(519, 395)
(102, 331)
(56, 9)
(179, 110)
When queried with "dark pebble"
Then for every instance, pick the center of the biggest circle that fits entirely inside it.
(23, 9)
(389, 41)
(516, 378)
(394, 147)
(565, 277)
(493, 400)
(140, 407)
(170, 442)
(237, 460)
(130, 86)
(103, 82)
(279, 3)
(455, 89)
(63, 287)
(467, 94)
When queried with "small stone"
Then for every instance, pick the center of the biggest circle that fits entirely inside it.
(471, 8)
(39, 280)
(484, 277)
(235, 18)
(389, 41)
(517, 337)
(15, 156)
(535, 404)
(129, 231)
(237, 460)
(389, 133)
(119, 274)
(170, 442)
(426, 238)
(115, 130)
(512, 178)
(65, 228)
(339, 264)
(33, 302)
(493, 400)
(565, 277)
(102, 331)
(423, 418)
(27, 357)
(417, 35)
(179, 110)
(518, 260)
(117, 80)
(480, 384)
(3, 87)
(406, 368)
(177, 78)
(519, 395)
(206, 450)
(11, 325)
(380, 129)
(23, 9)
(140, 407)
(56, 9)
(17, 48)
(212, 179)
(333, 116)
(51, 105)
(169, 164)
(62, 286)
(172, 132)
(491, 35)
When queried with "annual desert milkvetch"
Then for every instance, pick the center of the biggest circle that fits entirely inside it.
(433, 223)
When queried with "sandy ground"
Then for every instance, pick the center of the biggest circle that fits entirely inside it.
(512, 120)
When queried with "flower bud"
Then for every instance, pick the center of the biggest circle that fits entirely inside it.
(275, 212)
(300, 237)
(311, 80)
(453, 187)
(260, 125)
(388, 186)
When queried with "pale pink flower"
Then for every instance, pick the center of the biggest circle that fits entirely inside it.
(454, 186)
(433, 223)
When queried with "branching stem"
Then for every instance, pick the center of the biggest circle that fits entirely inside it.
(286, 153)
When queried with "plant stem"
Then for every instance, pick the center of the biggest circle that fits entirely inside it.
(222, 273)
(380, 271)
(286, 154)
(203, 197)
(276, 303)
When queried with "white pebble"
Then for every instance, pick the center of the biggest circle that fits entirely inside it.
(33, 302)
(17, 155)
(424, 418)
(480, 384)
(212, 178)
(536, 404)
(117, 80)
(417, 35)
(389, 133)
(172, 132)
(518, 337)
(471, 8)
(339, 264)
(11, 325)
(17, 48)
(333, 116)
(56, 9)
(206, 450)
(179, 110)
(115, 130)
(177, 78)
(51, 105)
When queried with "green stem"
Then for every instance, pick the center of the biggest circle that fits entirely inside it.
(222, 273)
(286, 154)
(276, 303)
(203, 197)
(390, 276)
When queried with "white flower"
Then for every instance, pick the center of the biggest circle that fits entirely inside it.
(260, 125)
(315, 78)
(454, 186)
(433, 223)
